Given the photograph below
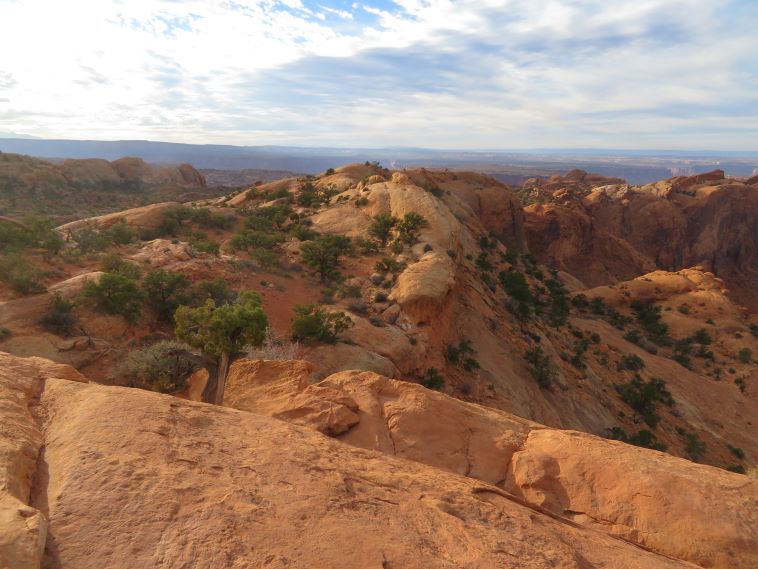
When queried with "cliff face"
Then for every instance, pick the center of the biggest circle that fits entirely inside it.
(617, 232)
(130, 478)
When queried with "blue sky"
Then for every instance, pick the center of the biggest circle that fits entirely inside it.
(508, 74)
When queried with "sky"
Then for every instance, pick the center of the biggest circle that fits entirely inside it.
(467, 74)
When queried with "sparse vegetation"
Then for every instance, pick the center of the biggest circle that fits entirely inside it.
(745, 355)
(313, 323)
(642, 396)
(642, 438)
(164, 367)
(462, 355)
(164, 291)
(116, 293)
(381, 228)
(631, 362)
(542, 368)
(433, 379)
(221, 332)
(649, 317)
(21, 274)
(410, 226)
(59, 318)
(515, 285)
(323, 254)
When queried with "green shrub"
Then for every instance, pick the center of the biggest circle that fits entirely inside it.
(366, 246)
(541, 367)
(736, 451)
(738, 468)
(302, 232)
(642, 396)
(225, 329)
(115, 293)
(745, 355)
(559, 303)
(5, 333)
(59, 318)
(388, 265)
(702, 337)
(216, 290)
(483, 263)
(684, 309)
(205, 246)
(208, 219)
(324, 253)
(312, 322)
(515, 285)
(89, 239)
(265, 258)
(381, 227)
(642, 438)
(682, 351)
(433, 379)
(164, 291)
(253, 238)
(580, 302)
(410, 226)
(164, 367)
(21, 275)
(754, 330)
(634, 337)
(631, 362)
(694, 447)
(649, 317)
(113, 263)
(121, 233)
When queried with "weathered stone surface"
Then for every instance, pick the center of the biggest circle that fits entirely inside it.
(137, 479)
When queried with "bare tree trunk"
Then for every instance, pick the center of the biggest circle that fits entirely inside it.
(223, 371)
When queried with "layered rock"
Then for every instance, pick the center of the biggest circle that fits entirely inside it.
(128, 478)
(643, 496)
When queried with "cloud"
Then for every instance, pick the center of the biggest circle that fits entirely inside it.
(465, 74)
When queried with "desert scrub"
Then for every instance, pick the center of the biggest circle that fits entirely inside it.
(541, 367)
(313, 323)
(642, 438)
(745, 355)
(642, 396)
(462, 355)
(116, 294)
(59, 318)
(164, 367)
(433, 379)
(23, 276)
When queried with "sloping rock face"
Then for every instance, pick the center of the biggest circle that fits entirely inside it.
(642, 496)
(149, 217)
(570, 238)
(127, 478)
(702, 220)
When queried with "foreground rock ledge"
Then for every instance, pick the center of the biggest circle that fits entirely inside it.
(96, 476)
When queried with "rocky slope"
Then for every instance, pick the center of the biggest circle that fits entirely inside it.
(562, 364)
(617, 231)
(130, 478)
(598, 311)
(76, 188)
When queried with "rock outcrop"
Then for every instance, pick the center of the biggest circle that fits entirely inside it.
(127, 478)
(643, 496)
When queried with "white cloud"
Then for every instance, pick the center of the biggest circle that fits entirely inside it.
(469, 73)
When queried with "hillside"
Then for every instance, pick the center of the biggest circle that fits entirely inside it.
(491, 339)
(78, 188)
